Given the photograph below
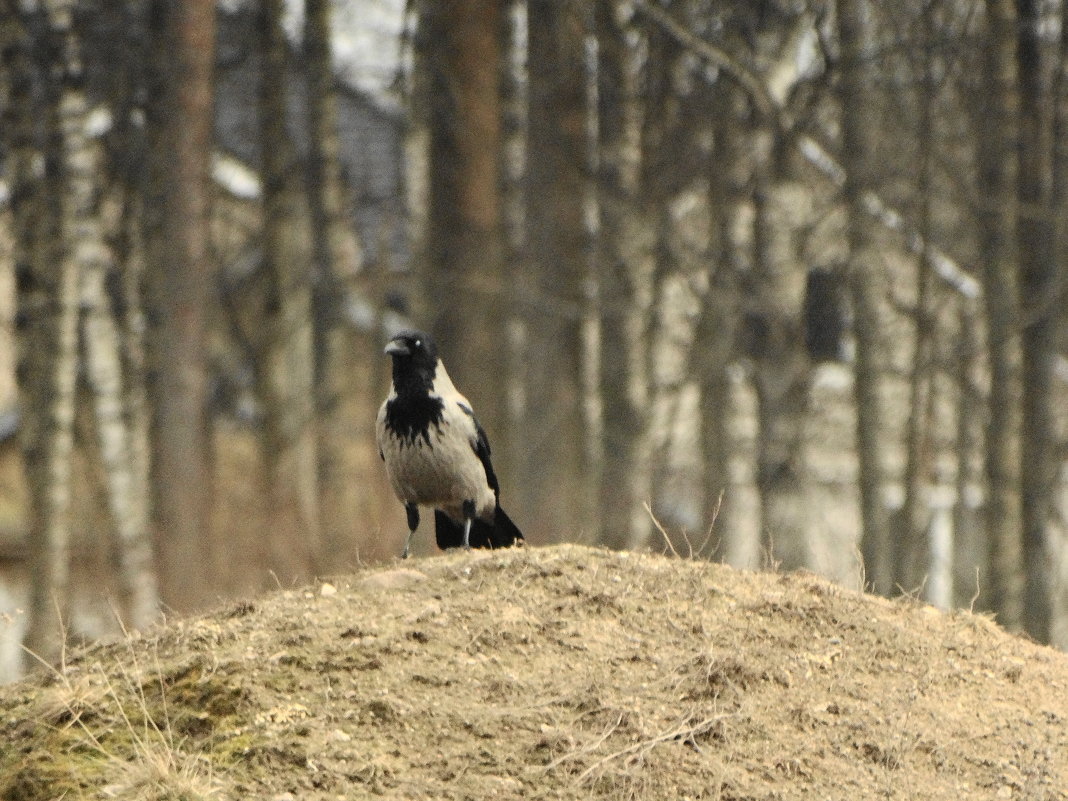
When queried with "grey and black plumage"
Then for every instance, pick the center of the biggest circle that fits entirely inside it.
(437, 454)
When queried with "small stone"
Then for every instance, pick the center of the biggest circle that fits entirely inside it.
(328, 590)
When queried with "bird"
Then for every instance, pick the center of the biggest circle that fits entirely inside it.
(436, 454)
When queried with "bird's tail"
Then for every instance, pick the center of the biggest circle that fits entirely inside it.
(505, 532)
(501, 533)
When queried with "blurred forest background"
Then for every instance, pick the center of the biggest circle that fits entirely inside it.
(779, 282)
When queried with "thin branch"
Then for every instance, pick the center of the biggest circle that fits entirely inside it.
(660, 528)
(687, 732)
(746, 78)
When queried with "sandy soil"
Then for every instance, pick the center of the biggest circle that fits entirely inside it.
(563, 672)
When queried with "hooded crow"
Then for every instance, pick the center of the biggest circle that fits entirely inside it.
(437, 454)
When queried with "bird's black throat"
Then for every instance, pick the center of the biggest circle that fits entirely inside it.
(410, 417)
(414, 410)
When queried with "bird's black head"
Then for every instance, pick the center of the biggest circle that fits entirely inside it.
(415, 359)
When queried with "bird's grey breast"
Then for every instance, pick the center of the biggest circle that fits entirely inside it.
(436, 464)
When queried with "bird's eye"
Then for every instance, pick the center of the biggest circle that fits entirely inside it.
(419, 343)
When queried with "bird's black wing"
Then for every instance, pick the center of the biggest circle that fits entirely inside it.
(481, 447)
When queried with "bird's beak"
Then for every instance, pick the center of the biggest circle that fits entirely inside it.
(397, 347)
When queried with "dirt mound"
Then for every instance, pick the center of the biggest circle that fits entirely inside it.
(562, 672)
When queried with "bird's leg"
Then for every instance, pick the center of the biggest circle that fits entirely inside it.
(413, 523)
(469, 516)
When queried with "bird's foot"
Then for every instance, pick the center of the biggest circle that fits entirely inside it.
(412, 511)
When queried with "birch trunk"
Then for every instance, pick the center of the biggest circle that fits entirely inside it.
(138, 414)
(49, 357)
(115, 436)
(664, 136)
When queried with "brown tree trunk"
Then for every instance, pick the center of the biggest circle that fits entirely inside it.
(286, 364)
(179, 281)
(1040, 305)
(469, 300)
(553, 425)
(997, 179)
(863, 270)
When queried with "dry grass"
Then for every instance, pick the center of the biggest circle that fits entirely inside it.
(101, 712)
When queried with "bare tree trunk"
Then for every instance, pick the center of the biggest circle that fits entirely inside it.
(1059, 204)
(912, 557)
(124, 91)
(665, 137)
(717, 328)
(464, 248)
(1039, 290)
(337, 258)
(970, 559)
(620, 514)
(863, 271)
(116, 434)
(126, 490)
(782, 378)
(286, 368)
(178, 277)
(998, 171)
(131, 342)
(48, 304)
(552, 431)
(513, 167)
(417, 133)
